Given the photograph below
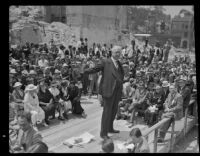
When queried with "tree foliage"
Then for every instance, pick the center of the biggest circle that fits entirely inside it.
(141, 16)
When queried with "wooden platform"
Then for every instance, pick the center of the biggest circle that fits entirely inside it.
(58, 131)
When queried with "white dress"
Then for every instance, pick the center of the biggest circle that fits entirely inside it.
(32, 105)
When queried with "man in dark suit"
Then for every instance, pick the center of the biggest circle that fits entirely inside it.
(165, 89)
(110, 88)
(185, 92)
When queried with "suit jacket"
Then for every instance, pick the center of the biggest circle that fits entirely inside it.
(165, 95)
(185, 92)
(31, 137)
(175, 105)
(112, 78)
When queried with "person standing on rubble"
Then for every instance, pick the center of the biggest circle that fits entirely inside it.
(110, 88)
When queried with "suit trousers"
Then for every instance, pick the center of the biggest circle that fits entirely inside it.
(110, 108)
(165, 127)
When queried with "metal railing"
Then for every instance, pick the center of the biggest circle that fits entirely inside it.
(155, 129)
(194, 102)
(161, 123)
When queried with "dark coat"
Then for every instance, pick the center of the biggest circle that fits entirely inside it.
(185, 92)
(165, 95)
(111, 77)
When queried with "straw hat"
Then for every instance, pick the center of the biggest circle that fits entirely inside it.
(17, 84)
(165, 84)
(65, 65)
(157, 87)
(13, 71)
(57, 71)
(32, 72)
(31, 87)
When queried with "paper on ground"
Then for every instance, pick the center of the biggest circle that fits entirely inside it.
(121, 146)
(86, 137)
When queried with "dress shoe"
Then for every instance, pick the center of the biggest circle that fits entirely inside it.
(47, 122)
(105, 137)
(61, 118)
(114, 131)
(131, 125)
(118, 117)
(160, 140)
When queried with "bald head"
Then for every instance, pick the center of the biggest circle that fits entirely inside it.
(116, 52)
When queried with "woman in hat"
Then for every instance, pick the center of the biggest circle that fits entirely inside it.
(31, 104)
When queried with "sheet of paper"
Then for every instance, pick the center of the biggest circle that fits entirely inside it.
(121, 146)
(86, 138)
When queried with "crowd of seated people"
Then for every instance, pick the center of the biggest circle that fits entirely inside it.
(46, 80)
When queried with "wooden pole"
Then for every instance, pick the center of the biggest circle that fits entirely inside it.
(172, 137)
(185, 121)
(155, 141)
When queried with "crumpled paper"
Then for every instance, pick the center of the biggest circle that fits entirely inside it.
(80, 140)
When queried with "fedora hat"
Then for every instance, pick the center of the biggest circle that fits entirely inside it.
(24, 72)
(141, 84)
(31, 87)
(54, 83)
(17, 84)
(165, 84)
(183, 78)
(41, 79)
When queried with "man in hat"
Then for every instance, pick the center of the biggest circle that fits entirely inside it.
(185, 92)
(173, 109)
(110, 88)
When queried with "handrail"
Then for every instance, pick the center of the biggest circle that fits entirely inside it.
(186, 114)
(163, 121)
(155, 128)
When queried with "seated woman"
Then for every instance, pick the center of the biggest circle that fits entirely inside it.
(31, 104)
(56, 97)
(64, 98)
(46, 100)
(140, 143)
(139, 101)
(74, 97)
(18, 97)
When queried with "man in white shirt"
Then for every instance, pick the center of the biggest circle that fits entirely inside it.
(43, 62)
